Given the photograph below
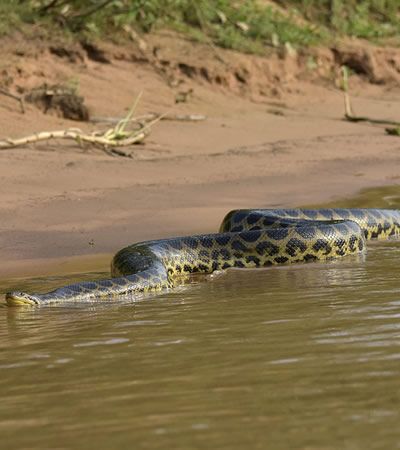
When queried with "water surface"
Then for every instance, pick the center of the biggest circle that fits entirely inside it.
(296, 357)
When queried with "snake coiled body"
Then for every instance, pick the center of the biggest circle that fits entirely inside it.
(247, 238)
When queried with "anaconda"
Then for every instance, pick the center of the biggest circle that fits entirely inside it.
(247, 238)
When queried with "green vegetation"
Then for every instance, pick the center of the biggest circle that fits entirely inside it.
(246, 25)
(369, 19)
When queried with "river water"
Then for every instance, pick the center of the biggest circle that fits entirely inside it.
(295, 357)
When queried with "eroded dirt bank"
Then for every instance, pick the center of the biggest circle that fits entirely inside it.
(274, 136)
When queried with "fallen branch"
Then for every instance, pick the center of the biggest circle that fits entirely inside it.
(348, 109)
(109, 141)
(77, 135)
(15, 97)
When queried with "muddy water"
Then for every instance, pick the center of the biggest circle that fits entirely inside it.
(296, 357)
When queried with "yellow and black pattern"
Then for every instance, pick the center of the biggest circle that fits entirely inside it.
(247, 238)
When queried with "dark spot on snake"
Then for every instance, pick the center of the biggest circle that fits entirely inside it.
(352, 243)
(340, 242)
(204, 256)
(253, 218)
(254, 259)
(267, 248)
(250, 236)
(215, 265)
(281, 260)
(309, 257)
(294, 245)
(187, 268)
(277, 233)
(214, 254)
(306, 232)
(223, 239)
(321, 244)
(237, 245)
(203, 268)
(238, 263)
(268, 221)
(207, 242)
(226, 265)
(225, 253)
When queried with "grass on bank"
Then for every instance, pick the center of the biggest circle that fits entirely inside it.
(244, 25)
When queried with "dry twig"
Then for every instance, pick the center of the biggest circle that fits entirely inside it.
(153, 116)
(348, 110)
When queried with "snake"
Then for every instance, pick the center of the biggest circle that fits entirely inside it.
(247, 238)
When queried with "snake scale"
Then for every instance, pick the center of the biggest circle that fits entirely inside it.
(247, 238)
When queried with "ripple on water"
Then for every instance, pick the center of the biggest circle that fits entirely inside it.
(112, 341)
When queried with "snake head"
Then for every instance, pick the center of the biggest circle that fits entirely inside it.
(16, 298)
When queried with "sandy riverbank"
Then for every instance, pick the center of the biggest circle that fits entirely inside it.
(284, 148)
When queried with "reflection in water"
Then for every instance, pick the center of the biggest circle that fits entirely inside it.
(303, 356)
(380, 197)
